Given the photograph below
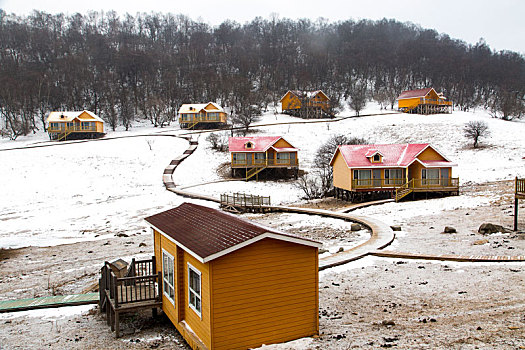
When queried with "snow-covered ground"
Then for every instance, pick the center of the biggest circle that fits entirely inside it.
(78, 191)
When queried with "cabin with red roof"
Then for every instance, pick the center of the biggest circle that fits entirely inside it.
(203, 115)
(392, 169)
(252, 154)
(423, 101)
(307, 104)
(228, 283)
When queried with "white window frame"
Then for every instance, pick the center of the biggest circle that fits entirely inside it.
(190, 290)
(166, 281)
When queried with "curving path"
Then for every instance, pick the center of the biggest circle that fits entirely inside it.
(381, 234)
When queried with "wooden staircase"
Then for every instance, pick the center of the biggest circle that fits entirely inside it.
(64, 135)
(254, 171)
(404, 190)
(192, 125)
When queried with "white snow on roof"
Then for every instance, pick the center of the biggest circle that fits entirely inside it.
(67, 116)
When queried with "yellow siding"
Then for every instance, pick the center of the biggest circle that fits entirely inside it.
(408, 102)
(266, 292)
(282, 144)
(85, 115)
(100, 126)
(210, 107)
(200, 325)
(430, 154)
(290, 101)
(342, 174)
(164, 243)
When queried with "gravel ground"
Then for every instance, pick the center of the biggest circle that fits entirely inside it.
(371, 303)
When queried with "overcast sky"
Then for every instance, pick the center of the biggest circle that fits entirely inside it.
(501, 23)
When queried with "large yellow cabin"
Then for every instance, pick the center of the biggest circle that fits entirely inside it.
(306, 104)
(74, 125)
(257, 153)
(423, 101)
(231, 284)
(206, 115)
(397, 169)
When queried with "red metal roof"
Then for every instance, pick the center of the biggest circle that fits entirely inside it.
(414, 93)
(208, 233)
(259, 144)
(394, 155)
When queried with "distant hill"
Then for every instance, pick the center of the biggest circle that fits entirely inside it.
(121, 68)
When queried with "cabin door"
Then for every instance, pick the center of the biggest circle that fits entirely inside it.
(249, 158)
(445, 177)
(376, 174)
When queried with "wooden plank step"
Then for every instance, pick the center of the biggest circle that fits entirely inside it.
(48, 302)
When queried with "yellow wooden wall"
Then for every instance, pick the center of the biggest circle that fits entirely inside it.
(281, 143)
(290, 101)
(180, 310)
(342, 174)
(430, 154)
(266, 293)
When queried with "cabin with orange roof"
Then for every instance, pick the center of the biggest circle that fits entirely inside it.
(395, 170)
(252, 154)
(74, 125)
(423, 101)
(202, 115)
(307, 104)
(228, 283)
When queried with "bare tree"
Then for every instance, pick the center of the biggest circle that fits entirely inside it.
(476, 129)
(358, 95)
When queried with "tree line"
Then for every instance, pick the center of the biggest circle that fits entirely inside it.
(147, 65)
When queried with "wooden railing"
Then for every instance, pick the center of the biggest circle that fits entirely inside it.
(142, 283)
(74, 128)
(415, 183)
(244, 200)
(377, 183)
(266, 162)
(429, 101)
(197, 119)
(520, 186)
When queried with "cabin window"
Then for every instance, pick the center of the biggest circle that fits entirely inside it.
(194, 289)
(168, 276)
(376, 158)
(394, 176)
(239, 158)
(362, 177)
(248, 145)
(213, 116)
(283, 158)
(430, 176)
(87, 125)
(260, 158)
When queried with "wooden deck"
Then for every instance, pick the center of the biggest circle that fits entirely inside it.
(141, 288)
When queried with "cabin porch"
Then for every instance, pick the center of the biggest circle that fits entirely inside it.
(73, 130)
(125, 288)
(399, 188)
(429, 106)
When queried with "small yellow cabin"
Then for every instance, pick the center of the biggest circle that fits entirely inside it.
(395, 169)
(257, 153)
(423, 101)
(74, 125)
(205, 115)
(306, 104)
(231, 284)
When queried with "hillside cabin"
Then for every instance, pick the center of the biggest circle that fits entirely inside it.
(204, 115)
(396, 170)
(74, 125)
(307, 104)
(423, 101)
(251, 155)
(228, 283)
